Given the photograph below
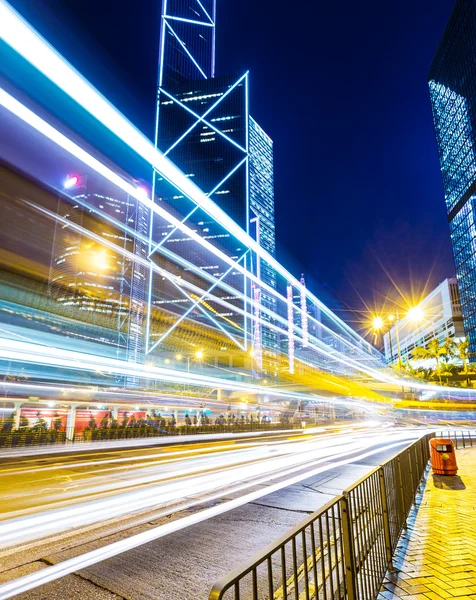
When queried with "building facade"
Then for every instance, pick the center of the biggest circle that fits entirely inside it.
(441, 318)
(452, 84)
(88, 274)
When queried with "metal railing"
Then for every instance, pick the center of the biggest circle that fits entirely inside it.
(27, 438)
(460, 438)
(343, 550)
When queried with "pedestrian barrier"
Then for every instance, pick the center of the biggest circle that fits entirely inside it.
(460, 438)
(27, 438)
(342, 551)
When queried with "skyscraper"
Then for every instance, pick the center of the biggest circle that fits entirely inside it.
(452, 83)
(204, 127)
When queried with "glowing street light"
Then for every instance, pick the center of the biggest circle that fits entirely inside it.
(377, 323)
(178, 357)
(199, 354)
(415, 314)
(98, 260)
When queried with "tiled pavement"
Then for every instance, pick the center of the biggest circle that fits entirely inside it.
(436, 556)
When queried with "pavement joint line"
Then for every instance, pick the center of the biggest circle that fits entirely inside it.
(66, 567)
(98, 585)
(294, 510)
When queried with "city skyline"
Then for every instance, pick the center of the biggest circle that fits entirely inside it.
(411, 166)
(175, 384)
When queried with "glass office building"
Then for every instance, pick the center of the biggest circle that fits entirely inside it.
(261, 201)
(90, 276)
(452, 83)
(204, 127)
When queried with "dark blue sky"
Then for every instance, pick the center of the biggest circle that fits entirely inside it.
(341, 88)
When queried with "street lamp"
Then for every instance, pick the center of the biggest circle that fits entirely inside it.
(414, 315)
(377, 324)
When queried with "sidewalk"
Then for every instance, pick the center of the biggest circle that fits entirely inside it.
(436, 556)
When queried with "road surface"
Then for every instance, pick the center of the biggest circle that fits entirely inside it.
(203, 509)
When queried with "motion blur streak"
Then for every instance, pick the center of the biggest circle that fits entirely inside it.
(197, 475)
(33, 580)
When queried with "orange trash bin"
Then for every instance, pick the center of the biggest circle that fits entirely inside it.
(443, 457)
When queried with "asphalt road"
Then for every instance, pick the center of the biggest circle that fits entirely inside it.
(59, 508)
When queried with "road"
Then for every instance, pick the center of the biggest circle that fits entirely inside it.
(173, 519)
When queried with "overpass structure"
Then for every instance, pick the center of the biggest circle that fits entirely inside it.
(121, 276)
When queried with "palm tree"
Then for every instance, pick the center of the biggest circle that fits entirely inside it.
(448, 349)
(462, 351)
(432, 351)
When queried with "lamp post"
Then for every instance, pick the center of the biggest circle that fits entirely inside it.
(414, 314)
(378, 324)
(198, 355)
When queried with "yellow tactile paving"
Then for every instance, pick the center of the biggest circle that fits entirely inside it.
(436, 556)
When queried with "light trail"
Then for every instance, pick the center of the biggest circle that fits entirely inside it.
(20, 36)
(52, 356)
(48, 355)
(24, 113)
(24, 40)
(196, 476)
(61, 569)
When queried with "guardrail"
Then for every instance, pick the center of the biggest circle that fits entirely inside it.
(28, 438)
(460, 438)
(342, 551)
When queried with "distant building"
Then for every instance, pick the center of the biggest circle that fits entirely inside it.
(90, 276)
(452, 83)
(441, 318)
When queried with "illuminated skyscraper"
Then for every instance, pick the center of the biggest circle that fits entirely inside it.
(204, 127)
(452, 83)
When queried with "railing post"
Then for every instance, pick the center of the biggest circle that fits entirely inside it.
(402, 495)
(411, 469)
(348, 549)
(386, 519)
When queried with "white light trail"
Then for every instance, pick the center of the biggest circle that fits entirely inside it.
(138, 193)
(18, 34)
(289, 289)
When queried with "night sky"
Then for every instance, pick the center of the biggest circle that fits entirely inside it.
(341, 88)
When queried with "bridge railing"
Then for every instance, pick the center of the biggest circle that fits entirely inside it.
(343, 550)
